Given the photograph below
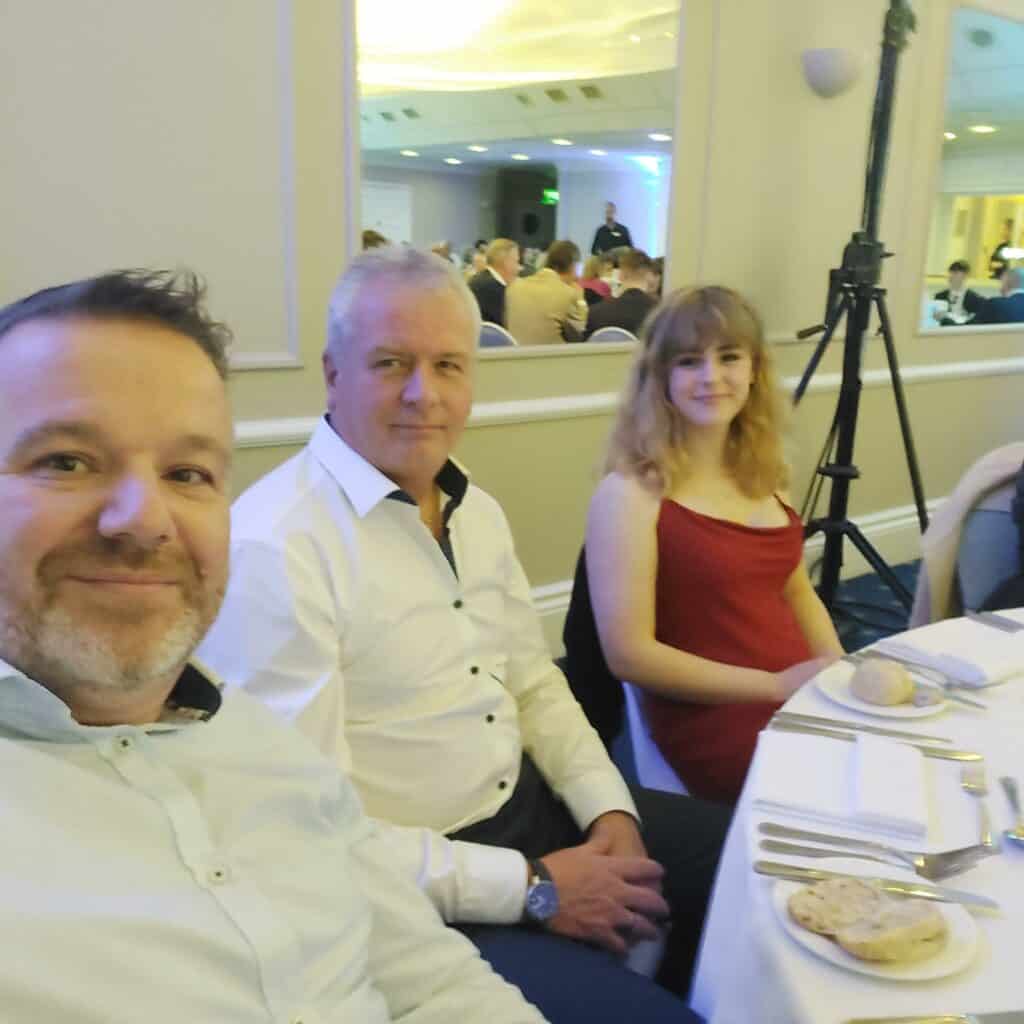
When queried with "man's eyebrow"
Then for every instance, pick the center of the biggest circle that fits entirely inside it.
(41, 433)
(86, 433)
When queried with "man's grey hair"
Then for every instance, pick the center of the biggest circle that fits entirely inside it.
(391, 266)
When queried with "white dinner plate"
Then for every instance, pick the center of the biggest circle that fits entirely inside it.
(834, 683)
(961, 941)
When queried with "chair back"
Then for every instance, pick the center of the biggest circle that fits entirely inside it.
(495, 336)
(652, 770)
(988, 547)
(613, 334)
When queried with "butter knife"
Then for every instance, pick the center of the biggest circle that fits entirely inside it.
(921, 890)
(1007, 1017)
(839, 723)
(836, 734)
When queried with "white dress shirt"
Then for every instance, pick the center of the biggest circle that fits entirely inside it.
(344, 615)
(210, 871)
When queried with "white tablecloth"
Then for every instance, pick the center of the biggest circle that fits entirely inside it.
(751, 972)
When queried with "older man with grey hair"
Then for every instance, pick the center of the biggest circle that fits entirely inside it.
(376, 600)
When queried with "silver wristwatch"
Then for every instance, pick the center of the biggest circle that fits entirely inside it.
(541, 895)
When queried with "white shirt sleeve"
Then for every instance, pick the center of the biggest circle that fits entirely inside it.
(555, 731)
(278, 637)
(426, 972)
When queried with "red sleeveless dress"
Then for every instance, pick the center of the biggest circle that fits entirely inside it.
(719, 595)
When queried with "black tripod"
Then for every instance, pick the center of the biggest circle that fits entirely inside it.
(853, 293)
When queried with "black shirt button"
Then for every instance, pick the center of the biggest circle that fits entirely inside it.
(490, 718)
(503, 784)
(474, 669)
(457, 603)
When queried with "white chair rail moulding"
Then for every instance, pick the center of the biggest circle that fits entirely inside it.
(830, 71)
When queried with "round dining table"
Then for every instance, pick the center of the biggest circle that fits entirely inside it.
(752, 968)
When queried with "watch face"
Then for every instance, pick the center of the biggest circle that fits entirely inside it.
(542, 901)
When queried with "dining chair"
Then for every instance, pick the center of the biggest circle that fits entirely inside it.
(495, 336)
(988, 547)
(652, 770)
(612, 334)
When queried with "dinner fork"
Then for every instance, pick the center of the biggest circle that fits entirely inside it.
(974, 781)
(927, 865)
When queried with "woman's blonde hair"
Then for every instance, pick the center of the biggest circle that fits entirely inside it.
(648, 441)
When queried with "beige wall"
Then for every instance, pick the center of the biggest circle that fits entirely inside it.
(260, 185)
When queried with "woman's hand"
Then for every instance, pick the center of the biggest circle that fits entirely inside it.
(790, 680)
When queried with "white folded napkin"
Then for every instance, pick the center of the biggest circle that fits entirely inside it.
(969, 652)
(877, 789)
(888, 787)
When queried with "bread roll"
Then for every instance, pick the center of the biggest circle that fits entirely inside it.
(898, 931)
(882, 682)
(826, 907)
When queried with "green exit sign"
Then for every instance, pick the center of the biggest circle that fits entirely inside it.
(549, 197)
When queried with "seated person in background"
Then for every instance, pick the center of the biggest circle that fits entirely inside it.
(657, 277)
(548, 308)
(473, 262)
(372, 239)
(962, 303)
(694, 560)
(488, 285)
(171, 853)
(594, 287)
(376, 600)
(1008, 306)
(997, 261)
(634, 301)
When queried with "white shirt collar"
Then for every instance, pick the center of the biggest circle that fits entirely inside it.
(364, 484)
(29, 708)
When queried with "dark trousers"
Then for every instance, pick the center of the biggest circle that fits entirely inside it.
(569, 981)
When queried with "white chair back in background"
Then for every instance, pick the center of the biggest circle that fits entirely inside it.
(652, 770)
(495, 336)
(612, 334)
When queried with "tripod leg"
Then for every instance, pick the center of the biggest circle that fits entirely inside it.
(843, 470)
(901, 410)
(875, 560)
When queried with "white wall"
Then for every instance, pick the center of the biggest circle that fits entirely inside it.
(444, 205)
(640, 197)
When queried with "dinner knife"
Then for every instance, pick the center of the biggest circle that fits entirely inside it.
(875, 730)
(1005, 1017)
(921, 890)
(836, 734)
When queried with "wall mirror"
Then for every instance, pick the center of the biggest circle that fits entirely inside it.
(516, 119)
(977, 225)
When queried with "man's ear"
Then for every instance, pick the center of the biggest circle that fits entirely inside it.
(330, 370)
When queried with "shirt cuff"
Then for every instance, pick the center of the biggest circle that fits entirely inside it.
(492, 884)
(594, 794)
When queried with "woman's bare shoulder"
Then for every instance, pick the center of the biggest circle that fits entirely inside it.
(619, 491)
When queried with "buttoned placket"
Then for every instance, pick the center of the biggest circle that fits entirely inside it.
(463, 621)
(135, 755)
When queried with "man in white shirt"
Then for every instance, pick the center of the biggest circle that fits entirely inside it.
(376, 600)
(169, 855)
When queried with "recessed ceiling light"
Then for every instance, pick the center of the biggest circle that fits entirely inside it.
(452, 160)
(949, 136)
(982, 129)
(562, 142)
(634, 39)
(659, 137)
(520, 156)
(477, 149)
(409, 152)
(599, 152)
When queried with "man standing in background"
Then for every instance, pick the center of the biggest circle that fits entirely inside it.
(611, 234)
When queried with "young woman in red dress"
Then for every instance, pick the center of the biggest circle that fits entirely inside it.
(694, 558)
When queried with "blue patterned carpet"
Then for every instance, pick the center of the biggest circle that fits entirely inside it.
(866, 609)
